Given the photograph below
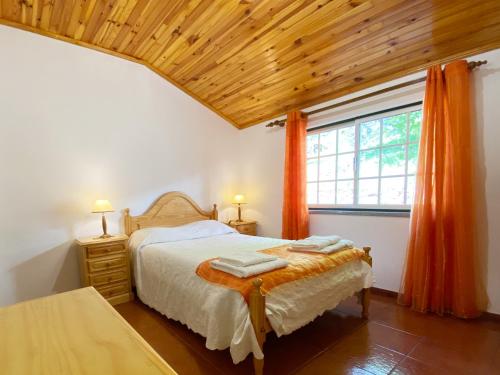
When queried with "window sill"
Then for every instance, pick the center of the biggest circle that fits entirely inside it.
(359, 212)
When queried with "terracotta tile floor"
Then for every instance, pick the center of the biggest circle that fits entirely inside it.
(394, 340)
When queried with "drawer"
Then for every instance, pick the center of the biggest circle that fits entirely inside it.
(95, 251)
(247, 229)
(107, 263)
(120, 298)
(109, 277)
(109, 291)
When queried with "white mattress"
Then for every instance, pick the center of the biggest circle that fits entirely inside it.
(166, 280)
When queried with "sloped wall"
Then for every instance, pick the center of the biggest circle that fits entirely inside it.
(77, 125)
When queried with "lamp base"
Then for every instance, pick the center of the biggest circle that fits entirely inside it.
(104, 229)
(102, 236)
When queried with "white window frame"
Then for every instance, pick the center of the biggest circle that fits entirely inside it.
(357, 122)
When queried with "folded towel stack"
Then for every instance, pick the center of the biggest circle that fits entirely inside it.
(315, 242)
(321, 244)
(244, 259)
(246, 264)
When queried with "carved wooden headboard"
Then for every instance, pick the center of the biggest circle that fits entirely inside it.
(170, 210)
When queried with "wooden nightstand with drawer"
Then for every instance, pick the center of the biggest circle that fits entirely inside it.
(244, 227)
(105, 265)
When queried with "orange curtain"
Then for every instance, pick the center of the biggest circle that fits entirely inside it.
(441, 264)
(295, 211)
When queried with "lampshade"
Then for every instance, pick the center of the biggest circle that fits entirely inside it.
(239, 198)
(102, 205)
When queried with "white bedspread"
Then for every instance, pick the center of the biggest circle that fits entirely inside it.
(166, 280)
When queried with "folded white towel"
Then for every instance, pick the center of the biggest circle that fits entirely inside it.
(249, 270)
(307, 244)
(333, 239)
(340, 245)
(245, 259)
(315, 242)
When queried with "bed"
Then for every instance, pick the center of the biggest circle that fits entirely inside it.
(170, 240)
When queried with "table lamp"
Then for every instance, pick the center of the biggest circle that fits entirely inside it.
(239, 199)
(102, 206)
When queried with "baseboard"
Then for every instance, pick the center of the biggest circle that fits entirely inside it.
(491, 316)
(384, 292)
(391, 294)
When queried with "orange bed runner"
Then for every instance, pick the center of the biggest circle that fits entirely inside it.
(301, 265)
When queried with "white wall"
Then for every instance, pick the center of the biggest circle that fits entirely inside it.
(487, 99)
(262, 151)
(76, 125)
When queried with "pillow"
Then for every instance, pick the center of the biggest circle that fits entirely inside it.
(197, 229)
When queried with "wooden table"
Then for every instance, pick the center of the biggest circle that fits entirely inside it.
(75, 333)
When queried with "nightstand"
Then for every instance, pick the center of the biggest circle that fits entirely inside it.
(105, 265)
(244, 227)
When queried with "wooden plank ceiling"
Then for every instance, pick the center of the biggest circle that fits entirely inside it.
(253, 60)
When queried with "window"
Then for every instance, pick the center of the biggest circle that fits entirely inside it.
(366, 163)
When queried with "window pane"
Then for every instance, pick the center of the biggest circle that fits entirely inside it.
(312, 145)
(378, 169)
(392, 190)
(393, 161)
(369, 163)
(326, 193)
(346, 166)
(415, 125)
(394, 129)
(328, 142)
(369, 134)
(345, 192)
(327, 168)
(312, 193)
(412, 158)
(368, 191)
(312, 170)
(346, 139)
(410, 189)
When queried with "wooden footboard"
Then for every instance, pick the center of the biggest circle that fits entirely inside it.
(257, 307)
(364, 295)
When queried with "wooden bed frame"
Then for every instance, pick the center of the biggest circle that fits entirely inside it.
(176, 208)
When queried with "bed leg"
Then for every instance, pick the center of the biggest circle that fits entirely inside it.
(258, 365)
(257, 307)
(365, 293)
(365, 302)
(366, 256)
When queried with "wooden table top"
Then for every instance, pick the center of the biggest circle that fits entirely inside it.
(75, 333)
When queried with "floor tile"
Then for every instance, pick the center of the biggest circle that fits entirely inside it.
(138, 315)
(495, 363)
(318, 370)
(394, 340)
(346, 356)
(387, 337)
(454, 360)
(405, 319)
(179, 355)
(330, 328)
(409, 366)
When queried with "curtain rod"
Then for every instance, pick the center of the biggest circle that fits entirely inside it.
(281, 123)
